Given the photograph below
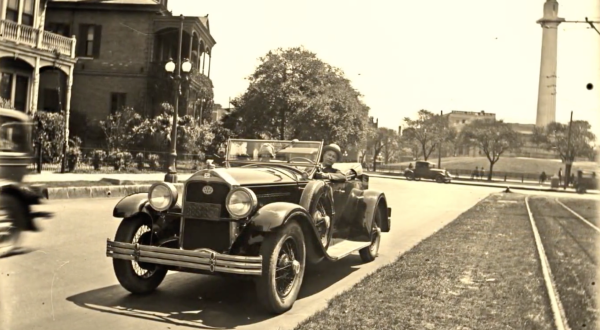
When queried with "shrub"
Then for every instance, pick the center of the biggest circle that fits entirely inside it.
(154, 162)
(98, 157)
(120, 160)
(139, 159)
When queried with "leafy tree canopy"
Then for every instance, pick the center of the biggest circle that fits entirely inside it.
(294, 94)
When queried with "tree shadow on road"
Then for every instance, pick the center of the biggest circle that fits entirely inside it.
(206, 302)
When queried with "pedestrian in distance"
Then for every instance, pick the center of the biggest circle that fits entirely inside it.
(560, 176)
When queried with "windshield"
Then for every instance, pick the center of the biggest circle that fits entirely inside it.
(300, 154)
(15, 135)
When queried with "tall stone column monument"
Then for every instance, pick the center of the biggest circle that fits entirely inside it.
(546, 106)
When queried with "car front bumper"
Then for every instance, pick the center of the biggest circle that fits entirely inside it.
(203, 259)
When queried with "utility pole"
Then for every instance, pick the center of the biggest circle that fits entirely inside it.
(569, 160)
(440, 139)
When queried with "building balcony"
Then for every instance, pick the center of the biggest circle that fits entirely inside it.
(36, 38)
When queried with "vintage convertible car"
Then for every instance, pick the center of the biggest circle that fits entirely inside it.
(16, 197)
(265, 221)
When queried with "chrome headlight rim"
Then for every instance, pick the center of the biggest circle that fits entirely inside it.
(253, 201)
(174, 195)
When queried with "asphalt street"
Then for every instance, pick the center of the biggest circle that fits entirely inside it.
(63, 280)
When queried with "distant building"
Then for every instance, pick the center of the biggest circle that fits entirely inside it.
(458, 119)
(31, 58)
(122, 48)
(218, 112)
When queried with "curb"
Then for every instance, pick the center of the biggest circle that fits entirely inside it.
(99, 191)
(466, 183)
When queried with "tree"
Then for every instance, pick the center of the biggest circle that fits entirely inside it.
(293, 94)
(493, 137)
(428, 131)
(555, 137)
(381, 139)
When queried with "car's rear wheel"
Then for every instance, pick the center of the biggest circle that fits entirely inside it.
(371, 252)
(439, 179)
(137, 278)
(409, 176)
(284, 262)
(12, 218)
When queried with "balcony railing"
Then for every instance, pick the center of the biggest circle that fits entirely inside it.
(36, 38)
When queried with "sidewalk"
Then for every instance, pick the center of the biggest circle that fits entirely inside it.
(512, 184)
(66, 177)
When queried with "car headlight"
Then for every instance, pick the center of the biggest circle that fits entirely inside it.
(241, 202)
(162, 196)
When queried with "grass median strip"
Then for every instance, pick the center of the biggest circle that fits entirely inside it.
(572, 253)
(479, 272)
(587, 208)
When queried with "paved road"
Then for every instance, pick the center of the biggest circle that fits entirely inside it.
(66, 282)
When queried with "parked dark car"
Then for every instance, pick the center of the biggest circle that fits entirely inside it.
(427, 170)
(265, 220)
(16, 197)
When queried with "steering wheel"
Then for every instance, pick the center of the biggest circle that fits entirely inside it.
(302, 158)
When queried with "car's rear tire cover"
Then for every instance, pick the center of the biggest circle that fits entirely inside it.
(124, 269)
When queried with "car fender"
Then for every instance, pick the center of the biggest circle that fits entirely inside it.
(24, 193)
(274, 215)
(373, 198)
(131, 205)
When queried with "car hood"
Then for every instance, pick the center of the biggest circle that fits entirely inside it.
(238, 176)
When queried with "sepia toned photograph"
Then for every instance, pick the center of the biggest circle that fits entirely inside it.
(394, 165)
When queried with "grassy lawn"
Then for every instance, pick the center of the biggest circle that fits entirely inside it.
(571, 249)
(586, 208)
(479, 272)
(505, 164)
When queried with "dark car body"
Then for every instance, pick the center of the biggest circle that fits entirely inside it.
(427, 170)
(199, 234)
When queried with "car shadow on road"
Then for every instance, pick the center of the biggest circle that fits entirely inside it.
(207, 302)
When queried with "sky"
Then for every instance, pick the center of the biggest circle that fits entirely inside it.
(404, 56)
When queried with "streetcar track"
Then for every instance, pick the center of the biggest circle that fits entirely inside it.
(558, 311)
(587, 222)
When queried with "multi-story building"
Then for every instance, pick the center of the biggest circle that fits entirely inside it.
(458, 120)
(122, 49)
(31, 58)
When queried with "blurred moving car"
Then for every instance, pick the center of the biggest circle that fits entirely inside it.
(16, 197)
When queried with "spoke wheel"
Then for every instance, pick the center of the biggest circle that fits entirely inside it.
(371, 252)
(138, 278)
(284, 262)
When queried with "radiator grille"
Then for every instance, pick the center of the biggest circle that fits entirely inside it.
(206, 234)
(199, 205)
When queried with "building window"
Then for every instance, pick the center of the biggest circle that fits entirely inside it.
(14, 90)
(59, 28)
(12, 11)
(27, 16)
(89, 40)
(117, 101)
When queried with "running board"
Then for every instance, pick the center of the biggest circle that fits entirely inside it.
(342, 249)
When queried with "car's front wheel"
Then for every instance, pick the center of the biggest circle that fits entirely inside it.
(137, 278)
(284, 262)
